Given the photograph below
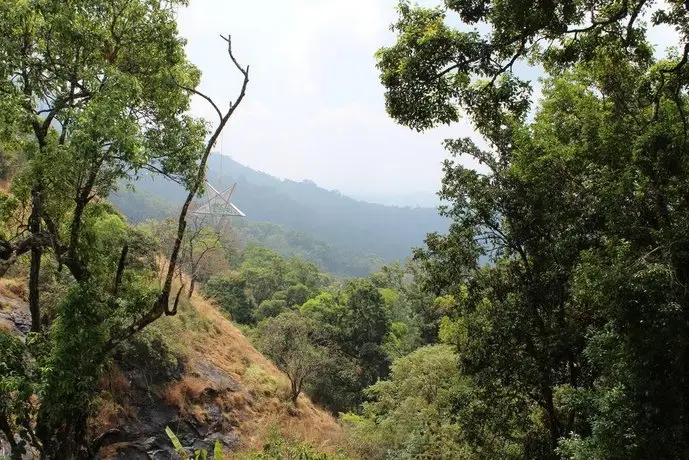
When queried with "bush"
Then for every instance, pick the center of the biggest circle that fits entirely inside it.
(260, 380)
(277, 447)
(231, 297)
(270, 309)
(151, 352)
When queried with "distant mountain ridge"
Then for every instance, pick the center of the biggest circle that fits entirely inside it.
(404, 200)
(385, 232)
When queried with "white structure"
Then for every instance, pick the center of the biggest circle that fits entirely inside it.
(216, 207)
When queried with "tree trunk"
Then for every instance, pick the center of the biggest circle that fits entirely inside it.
(192, 285)
(295, 390)
(36, 254)
(553, 422)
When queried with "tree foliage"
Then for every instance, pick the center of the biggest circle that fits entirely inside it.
(411, 414)
(580, 209)
(287, 339)
(92, 93)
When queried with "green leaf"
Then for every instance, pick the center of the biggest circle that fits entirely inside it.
(217, 450)
(175, 442)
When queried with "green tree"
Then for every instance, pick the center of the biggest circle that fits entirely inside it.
(570, 206)
(353, 325)
(264, 271)
(410, 415)
(297, 294)
(287, 340)
(301, 271)
(366, 319)
(232, 295)
(270, 309)
(426, 409)
(16, 387)
(94, 92)
(324, 308)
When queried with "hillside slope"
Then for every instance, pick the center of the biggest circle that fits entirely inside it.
(139, 206)
(198, 374)
(388, 232)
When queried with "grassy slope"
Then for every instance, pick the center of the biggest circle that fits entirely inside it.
(201, 334)
(264, 402)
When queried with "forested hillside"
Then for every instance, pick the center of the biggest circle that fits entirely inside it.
(369, 232)
(140, 205)
(116, 334)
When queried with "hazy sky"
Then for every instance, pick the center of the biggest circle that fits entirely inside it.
(315, 107)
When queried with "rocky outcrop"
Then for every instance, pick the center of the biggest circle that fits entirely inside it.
(14, 314)
(143, 436)
(218, 387)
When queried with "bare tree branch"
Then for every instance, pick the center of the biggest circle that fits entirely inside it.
(199, 93)
(161, 305)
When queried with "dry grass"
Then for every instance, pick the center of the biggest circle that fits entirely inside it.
(202, 334)
(232, 352)
(115, 383)
(113, 450)
(260, 382)
(184, 393)
(207, 336)
(114, 403)
(14, 289)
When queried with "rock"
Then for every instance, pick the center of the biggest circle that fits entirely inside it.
(15, 315)
(217, 378)
(144, 437)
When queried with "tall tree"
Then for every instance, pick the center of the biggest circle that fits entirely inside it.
(287, 340)
(580, 210)
(95, 92)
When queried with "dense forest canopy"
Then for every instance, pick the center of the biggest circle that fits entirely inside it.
(578, 332)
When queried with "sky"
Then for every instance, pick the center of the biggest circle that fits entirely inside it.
(315, 108)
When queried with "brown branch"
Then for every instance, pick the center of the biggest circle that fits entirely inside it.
(681, 63)
(176, 303)
(635, 14)
(58, 247)
(244, 72)
(199, 93)
(624, 9)
(82, 198)
(9, 252)
(60, 104)
(120, 269)
(161, 305)
(509, 64)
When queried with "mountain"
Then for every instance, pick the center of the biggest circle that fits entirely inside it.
(421, 199)
(303, 211)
